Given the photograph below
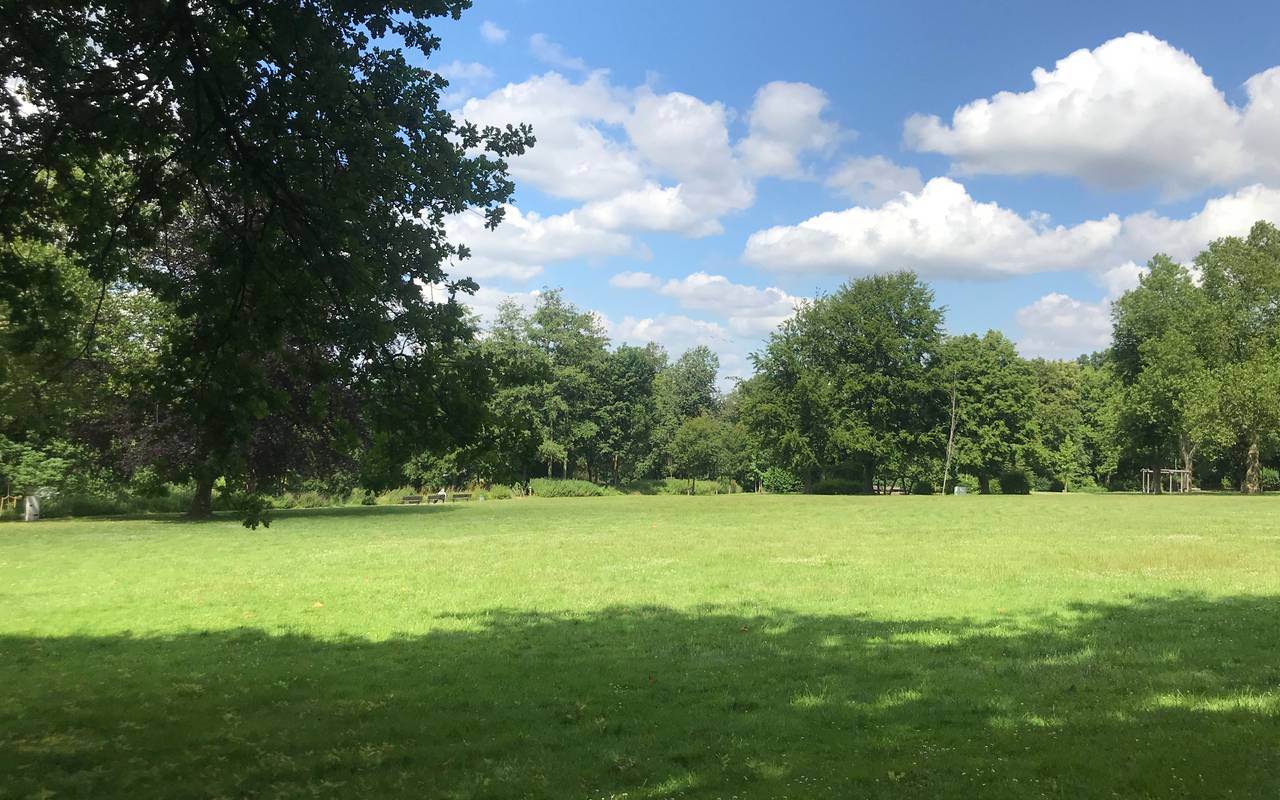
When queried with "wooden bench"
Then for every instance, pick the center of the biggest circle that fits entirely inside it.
(456, 496)
(411, 500)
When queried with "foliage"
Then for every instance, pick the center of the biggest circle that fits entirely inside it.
(853, 378)
(995, 392)
(568, 487)
(499, 491)
(277, 177)
(1015, 481)
(836, 486)
(777, 480)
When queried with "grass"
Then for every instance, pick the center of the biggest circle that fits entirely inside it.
(646, 647)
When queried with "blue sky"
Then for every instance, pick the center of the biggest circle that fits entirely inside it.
(701, 166)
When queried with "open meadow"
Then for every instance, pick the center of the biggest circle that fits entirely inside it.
(645, 647)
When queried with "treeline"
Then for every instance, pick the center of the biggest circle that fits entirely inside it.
(860, 392)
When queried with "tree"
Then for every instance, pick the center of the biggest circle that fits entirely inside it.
(1159, 333)
(995, 390)
(1241, 286)
(278, 174)
(851, 382)
(695, 449)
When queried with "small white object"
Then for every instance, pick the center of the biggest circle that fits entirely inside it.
(31, 508)
(960, 490)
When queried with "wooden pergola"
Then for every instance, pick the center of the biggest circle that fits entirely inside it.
(1176, 480)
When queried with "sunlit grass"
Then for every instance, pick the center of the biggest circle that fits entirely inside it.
(734, 646)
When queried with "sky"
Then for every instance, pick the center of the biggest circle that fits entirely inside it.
(702, 167)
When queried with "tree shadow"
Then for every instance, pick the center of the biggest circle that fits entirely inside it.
(1158, 697)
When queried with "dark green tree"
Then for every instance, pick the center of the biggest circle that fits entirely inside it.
(851, 383)
(279, 175)
(995, 392)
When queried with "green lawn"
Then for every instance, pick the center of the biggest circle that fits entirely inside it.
(644, 647)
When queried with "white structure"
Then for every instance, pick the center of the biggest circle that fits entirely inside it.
(31, 508)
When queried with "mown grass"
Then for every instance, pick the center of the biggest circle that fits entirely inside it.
(646, 647)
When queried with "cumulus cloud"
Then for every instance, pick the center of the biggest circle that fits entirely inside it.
(1059, 326)
(552, 53)
(941, 231)
(1134, 111)
(874, 180)
(635, 280)
(575, 157)
(785, 122)
(492, 33)
(523, 244)
(748, 310)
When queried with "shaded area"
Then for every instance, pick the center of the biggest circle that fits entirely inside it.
(1163, 697)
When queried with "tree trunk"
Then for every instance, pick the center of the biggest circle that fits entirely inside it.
(202, 500)
(984, 483)
(693, 486)
(951, 442)
(1253, 468)
(868, 479)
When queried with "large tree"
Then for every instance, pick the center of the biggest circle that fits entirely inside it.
(995, 392)
(279, 174)
(1241, 285)
(851, 382)
(1160, 335)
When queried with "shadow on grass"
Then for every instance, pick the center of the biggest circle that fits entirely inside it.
(1169, 697)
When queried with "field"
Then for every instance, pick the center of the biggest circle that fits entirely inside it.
(645, 647)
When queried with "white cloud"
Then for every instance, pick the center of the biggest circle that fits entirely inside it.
(941, 231)
(1120, 279)
(1132, 112)
(785, 122)
(492, 33)
(749, 311)
(874, 180)
(615, 147)
(552, 53)
(465, 71)
(523, 244)
(574, 156)
(1058, 326)
(678, 333)
(635, 280)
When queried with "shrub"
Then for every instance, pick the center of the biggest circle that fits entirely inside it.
(836, 486)
(1015, 481)
(499, 491)
(552, 487)
(1056, 485)
(969, 482)
(777, 480)
(1270, 479)
(922, 487)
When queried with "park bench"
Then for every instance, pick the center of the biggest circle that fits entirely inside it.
(411, 499)
(461, 496)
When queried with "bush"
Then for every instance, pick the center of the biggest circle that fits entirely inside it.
(552, 487)
(777, 480)
(969, 482)
(922, 487)
(1015, 481)
(499, 491)
(836, 486)
(1056, 485)
(1270, 479)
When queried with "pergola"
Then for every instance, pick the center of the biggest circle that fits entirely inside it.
(1177, 480)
